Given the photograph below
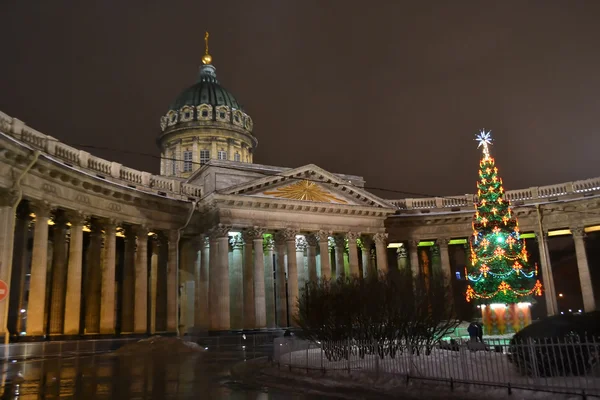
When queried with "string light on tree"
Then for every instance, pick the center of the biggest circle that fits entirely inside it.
(499, 274)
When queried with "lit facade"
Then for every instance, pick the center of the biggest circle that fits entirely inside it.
(216, 242)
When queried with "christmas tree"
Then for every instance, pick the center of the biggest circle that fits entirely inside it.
(499, 269)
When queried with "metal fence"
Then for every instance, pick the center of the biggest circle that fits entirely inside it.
(547, 365)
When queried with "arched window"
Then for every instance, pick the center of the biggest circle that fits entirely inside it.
(237, 157)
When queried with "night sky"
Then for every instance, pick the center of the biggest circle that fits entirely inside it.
(391, 90)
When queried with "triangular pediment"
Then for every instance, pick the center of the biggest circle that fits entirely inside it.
(311, 184)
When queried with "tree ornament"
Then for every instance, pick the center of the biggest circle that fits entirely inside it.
(511, 240)
(484, 270)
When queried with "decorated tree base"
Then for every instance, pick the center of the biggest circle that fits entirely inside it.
(501, 319)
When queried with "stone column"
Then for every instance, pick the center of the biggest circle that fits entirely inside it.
(93, 278)
(301, 246)
(340, 248)
(128, 287)
(153, 281)
(353, 252)
(367, 244)
(230, 149)
(195, 155)
(292, 273)
(223, 278)
(311, 256)
(268, 247)
(402, 257)
(140, 312)
(20, 266)
(585, 280)
(413, 247)
(58, 274)
(39, 268)
(381, 250)
(7, 231)
(237, 282)
(260, 309)
(280, 276)
(73, 296)
(107, 303)
(213, 282)
(213, 149)
(201, 318)
(446, 267)
(249, 310)
(172, 282)
(324, 255)
(548, 278)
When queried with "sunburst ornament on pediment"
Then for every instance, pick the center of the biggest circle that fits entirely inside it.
(306, 191)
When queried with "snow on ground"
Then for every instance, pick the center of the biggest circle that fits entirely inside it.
(394, 386)
(472, 366)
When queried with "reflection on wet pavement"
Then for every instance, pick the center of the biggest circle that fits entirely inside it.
(204, 375)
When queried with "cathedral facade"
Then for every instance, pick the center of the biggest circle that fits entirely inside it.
(216, 242)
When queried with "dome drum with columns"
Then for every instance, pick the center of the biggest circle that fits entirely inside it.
(205, 122)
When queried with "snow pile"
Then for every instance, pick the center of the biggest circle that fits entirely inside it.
(160, 345)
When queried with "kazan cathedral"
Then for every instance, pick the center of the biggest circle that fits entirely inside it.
(217, 242)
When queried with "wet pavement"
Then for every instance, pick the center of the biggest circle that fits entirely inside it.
(168, 376)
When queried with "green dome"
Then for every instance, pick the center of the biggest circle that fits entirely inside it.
(206, 102)
(207, 90)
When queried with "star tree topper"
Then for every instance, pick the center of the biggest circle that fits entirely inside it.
(485, 139)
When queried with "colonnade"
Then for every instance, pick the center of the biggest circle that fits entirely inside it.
(78, 274)
(251, 279)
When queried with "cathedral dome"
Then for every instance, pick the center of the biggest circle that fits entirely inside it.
(206, 101)
(207, 90)
(204, 123)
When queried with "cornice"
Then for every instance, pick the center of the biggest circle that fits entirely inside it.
(215, 200)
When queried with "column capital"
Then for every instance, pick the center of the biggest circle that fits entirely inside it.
(173, 236)
(236, 241)
(251, 234)
(353, 236)
(76, 217)
(141, 230)
(442, 242)
(401, 251)
(323, 236)
(42, 209)
(219, 231)
(339, 240)
(366, 241)
(301, 243)
(380, 238)
(288, 234)
(110, 224)
(578, 232)
(60, 220)
(7, 197)
(414, 243)
(311, 240)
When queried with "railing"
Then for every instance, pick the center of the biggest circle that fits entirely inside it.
(530, 195)
(544, 365)
(106, 169)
